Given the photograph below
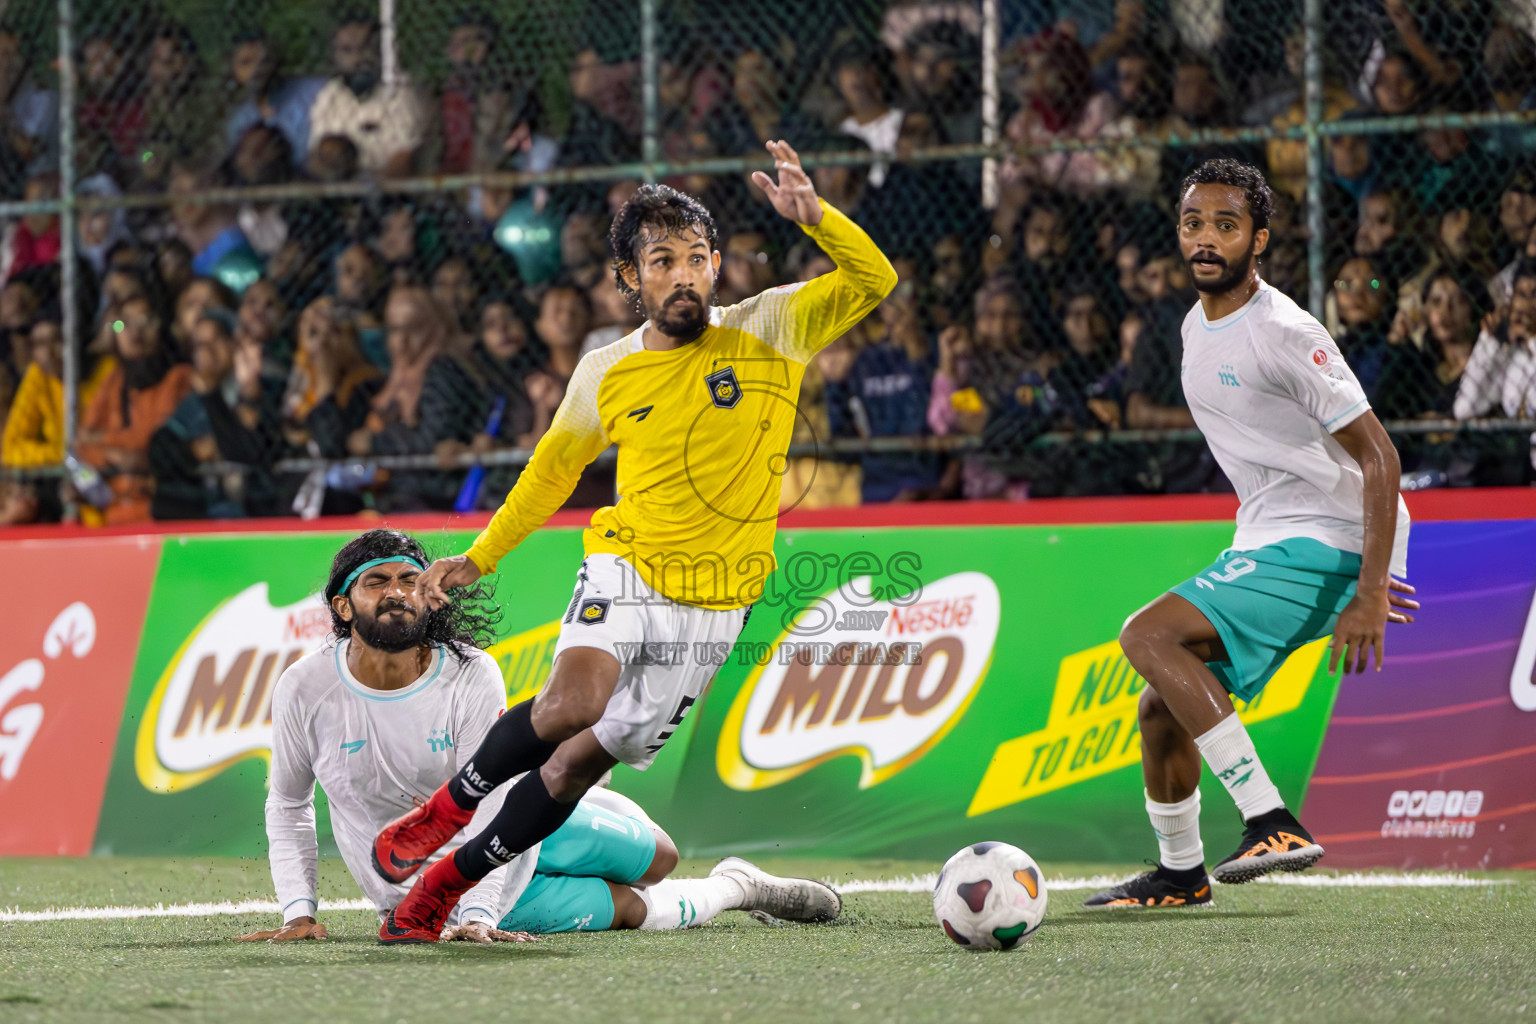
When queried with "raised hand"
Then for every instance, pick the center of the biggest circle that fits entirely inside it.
(793, 195)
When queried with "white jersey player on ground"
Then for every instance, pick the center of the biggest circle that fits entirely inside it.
(392, 708)
(1320, 533)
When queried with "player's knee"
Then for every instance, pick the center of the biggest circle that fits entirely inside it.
(1152, 713)
(665, 861)
(628, 907)
(1138, 637)
(566, 782)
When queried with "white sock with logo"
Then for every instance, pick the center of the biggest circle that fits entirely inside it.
(1229, 751)
(1178, 832)
(677, 903)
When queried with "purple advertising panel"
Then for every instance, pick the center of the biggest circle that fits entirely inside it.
(1432, 762)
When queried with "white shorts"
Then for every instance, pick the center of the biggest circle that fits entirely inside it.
(668, 653)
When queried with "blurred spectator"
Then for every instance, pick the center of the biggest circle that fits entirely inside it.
(1459, 171)
(1106, 396)
(262, 97)
(584, 248)
(32, 240)
(386, 121)
(885, 393)
(200, 295)
(747, 267)
(614, 314)
(1517, 221)
(332, 385)
(228, 417)
(422, 404)
(977, 372)
(262, 325)
(209, 230)
(454, 291)
(333, 158)
(131, 404)
(1501, 374)
(1399, 87)
(110, 118)
(510, 370)
(945, 65)
(1422, 373)
(484, 111)
(29, 115)
(1444, 40)
(178, 119)
(101, 230)
(1509, 63)
(34, 428)
(565, 316)
(1090, 350)
(1366, 298)
(863, 78)
(359, 291)
(397, 240)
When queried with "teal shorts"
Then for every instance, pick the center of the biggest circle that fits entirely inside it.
(569, 888)
(1267, 602)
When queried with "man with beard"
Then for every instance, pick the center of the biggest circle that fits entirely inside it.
(700, 403)
(390, 709)
(385, 120)
(1320, 531)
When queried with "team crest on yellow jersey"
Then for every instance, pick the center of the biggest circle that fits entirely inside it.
(723, 389)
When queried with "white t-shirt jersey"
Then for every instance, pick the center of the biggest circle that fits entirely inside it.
(1268, 387)
(373, 751)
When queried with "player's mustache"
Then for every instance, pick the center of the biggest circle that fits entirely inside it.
(385, 607)
(687, 293)
(1208, 257)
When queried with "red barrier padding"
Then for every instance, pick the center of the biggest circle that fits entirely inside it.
(1424, 506)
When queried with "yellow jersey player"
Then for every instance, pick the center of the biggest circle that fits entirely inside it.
(700, 403)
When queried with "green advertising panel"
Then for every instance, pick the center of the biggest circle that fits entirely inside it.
(896, 692)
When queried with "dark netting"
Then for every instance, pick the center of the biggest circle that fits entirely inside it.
(335, 257)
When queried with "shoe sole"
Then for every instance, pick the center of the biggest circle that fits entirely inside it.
(1237, 872)
(1146, 906)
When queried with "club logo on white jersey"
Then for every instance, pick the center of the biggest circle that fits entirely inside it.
(1228, 376)
(212, 705)
(886, 698)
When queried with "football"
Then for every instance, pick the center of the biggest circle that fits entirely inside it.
(990, 896)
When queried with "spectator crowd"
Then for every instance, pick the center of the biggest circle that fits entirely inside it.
(325, 320)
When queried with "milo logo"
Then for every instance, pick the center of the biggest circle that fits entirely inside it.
(884, 682)
(212, 705)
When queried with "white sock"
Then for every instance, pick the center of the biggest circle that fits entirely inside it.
(1178, 832)
(676, 903)
(1229, 751)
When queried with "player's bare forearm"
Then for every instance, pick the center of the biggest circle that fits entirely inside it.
(1367, 443)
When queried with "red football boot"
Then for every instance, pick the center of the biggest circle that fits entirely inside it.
(421, 915)
(406, 843)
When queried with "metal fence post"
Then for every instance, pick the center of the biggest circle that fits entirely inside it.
(68, 214)
(1312, 16)
(989, 190)
(650, 145)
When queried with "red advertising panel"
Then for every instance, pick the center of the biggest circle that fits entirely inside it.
(72, 615)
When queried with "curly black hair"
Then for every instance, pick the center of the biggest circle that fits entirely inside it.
(660, 207)
(1226, 171)
(465, 624)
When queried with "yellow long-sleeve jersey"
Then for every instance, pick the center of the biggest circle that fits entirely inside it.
(701, 432)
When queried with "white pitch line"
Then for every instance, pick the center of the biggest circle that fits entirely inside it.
(912, 883)
(1355, 880)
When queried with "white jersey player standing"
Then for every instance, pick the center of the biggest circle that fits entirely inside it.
(1320, 531)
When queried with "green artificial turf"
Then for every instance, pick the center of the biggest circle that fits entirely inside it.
(1263, 953)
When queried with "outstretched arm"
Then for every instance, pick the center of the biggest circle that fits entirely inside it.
(820, 311)
(574, 439)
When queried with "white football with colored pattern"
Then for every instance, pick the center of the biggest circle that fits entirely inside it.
(990, 896)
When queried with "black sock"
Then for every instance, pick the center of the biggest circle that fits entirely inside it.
(510, 748)
(528, 815)
(1182, 876)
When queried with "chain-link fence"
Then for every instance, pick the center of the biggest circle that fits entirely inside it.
(294, 257)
